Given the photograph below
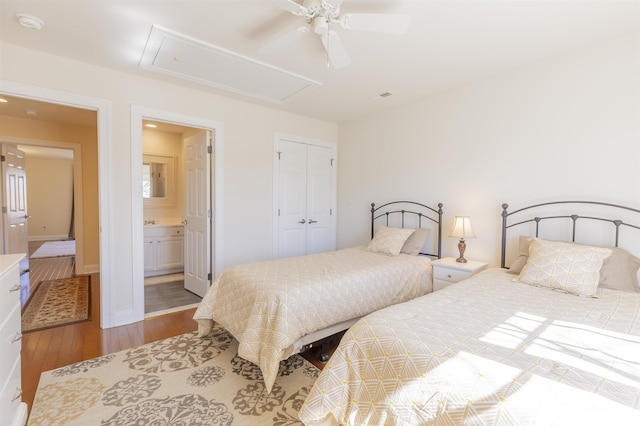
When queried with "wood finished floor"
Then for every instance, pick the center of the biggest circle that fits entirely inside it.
(53, 348)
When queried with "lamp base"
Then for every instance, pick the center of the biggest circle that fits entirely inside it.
(461, 248)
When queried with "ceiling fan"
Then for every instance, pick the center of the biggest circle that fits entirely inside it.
(323, 16)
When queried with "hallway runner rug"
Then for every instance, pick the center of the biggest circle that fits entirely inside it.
(182, 380)
(55, 249)
(58, 302)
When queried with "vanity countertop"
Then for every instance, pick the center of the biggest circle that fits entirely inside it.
(158, 223)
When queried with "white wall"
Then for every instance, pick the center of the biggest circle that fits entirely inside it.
(248, 151)
(49, 197)
(564, 128)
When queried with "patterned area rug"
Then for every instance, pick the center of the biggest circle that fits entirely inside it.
(58, 302)
(183, 380)
(55, 249)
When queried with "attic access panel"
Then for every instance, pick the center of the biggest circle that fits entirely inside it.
(184, 57)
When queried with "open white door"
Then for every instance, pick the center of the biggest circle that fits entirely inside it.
(197, 229)
(14, 209)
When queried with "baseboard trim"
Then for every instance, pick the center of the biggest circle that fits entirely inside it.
(48, 237)
(87, 269)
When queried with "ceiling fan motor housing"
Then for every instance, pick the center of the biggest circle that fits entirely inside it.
(321, 10)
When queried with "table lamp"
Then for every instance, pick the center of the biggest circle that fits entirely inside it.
(462, 229)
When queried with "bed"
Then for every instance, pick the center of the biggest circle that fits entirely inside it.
(502, 347)
(281, 307)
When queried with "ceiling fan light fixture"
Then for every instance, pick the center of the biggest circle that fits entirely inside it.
(320, 25)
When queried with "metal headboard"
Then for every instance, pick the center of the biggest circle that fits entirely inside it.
(574, 217)
(419, 210)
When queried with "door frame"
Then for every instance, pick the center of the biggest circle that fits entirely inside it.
(277, 137)
(78, 212)
(106, 199)
(138, 114)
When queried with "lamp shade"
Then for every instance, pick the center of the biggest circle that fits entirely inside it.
(462, 228)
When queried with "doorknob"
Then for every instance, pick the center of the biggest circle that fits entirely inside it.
(312, 221)
(184, 222)
(27, 216)
(302, 221)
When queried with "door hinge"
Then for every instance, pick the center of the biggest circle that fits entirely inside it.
(279, 154)
(330, 212)
(209, 149)
(278, 212)
(209, 214)
(2, 158)
(332, 160)
(209, 276)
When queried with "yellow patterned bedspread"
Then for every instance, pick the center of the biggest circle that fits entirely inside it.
(487, 351)
(267, 306)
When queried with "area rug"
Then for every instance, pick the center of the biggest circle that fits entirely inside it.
(182, 380)
(58, 302)
(55, 249)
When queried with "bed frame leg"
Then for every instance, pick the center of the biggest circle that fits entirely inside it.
(324, 353)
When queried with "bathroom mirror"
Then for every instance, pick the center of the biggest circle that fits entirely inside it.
(158, 180)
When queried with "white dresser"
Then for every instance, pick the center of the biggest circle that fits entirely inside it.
(13, 411)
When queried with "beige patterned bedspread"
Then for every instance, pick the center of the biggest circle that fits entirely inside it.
(270, 305)
(487, 351)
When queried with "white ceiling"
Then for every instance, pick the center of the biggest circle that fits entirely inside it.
(449, 43)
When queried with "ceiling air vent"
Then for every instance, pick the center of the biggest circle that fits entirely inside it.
(184, 57)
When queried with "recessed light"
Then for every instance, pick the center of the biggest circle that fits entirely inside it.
(29, 21)
(152, 126)
(3, 101)
(32, 112)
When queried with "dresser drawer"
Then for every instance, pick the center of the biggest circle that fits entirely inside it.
(451, 275)
(11, 397)
(9, 290)
(10, 342)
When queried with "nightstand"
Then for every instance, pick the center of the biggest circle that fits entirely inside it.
(447, 271)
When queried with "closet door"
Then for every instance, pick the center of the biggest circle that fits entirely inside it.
(305, 199)
(319, 197)
(292, 204)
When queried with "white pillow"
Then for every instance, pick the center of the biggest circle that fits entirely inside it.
(416, 241)
(564, 266)
(389, 240)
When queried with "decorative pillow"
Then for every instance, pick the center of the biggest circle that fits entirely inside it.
(569, 267)
(523, 255)
(389, 240)
(416, 241)
(619, 271)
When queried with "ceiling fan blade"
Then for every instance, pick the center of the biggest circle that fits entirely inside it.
(284, 40)
(290, 6)
(376, 22)
(336, 52)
